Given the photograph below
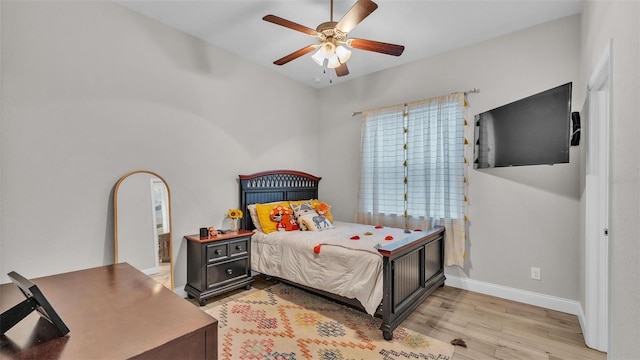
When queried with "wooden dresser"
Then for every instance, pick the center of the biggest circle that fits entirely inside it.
(113, 312)
(218, 264)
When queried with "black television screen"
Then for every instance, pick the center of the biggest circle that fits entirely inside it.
(531, 131)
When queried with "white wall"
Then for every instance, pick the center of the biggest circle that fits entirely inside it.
(619, 21)
(92, 91)
(519, 217)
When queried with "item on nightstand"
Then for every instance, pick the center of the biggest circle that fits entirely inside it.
(204, 233)
(212, 232)
(234, 215)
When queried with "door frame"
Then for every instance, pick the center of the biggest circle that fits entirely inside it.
(597, 205)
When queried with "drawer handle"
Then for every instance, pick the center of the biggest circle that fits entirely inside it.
(239, 247)
(229, 271)
(218, 252)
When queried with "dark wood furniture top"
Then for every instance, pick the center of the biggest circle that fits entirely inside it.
(113, 312)
(220, 237)
(406, 243)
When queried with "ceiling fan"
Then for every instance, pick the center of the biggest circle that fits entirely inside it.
(332, 38)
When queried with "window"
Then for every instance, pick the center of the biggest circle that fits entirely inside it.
(413, 163)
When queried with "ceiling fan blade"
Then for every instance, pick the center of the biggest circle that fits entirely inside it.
(342, 70)
(376, 46)
(296, 54)
(289, 24)
(358, 12)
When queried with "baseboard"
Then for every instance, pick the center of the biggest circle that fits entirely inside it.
(150, 271)
(528, 297)
(583, 321)
(180, 291)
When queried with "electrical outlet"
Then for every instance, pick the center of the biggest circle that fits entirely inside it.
(535, 273)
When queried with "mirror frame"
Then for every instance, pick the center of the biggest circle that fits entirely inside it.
(115, 217)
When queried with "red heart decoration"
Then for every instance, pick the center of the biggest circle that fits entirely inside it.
(417, 230)
(389, 237)
(356, 237)
(378, 226)
(316, 249)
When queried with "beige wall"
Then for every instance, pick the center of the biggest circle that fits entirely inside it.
(519, 217)
(619, 21)
(92, 91)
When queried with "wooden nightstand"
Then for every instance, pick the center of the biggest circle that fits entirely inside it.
(218, 264)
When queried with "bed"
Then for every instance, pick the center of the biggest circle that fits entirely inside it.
(389, 280)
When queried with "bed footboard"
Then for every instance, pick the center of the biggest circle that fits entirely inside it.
(412, 269)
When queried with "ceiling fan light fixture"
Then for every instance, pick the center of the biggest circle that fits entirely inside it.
(334, 62)
(343, 53)
(326, 51)
(328, 48)
(318, 57)
(333, 47)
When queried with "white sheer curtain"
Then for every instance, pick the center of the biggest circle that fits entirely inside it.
(413, 169)
(381, 170)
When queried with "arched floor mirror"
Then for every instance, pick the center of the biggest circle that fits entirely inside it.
(142, 225)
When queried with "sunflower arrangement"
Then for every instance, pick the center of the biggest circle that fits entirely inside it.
(235, 214)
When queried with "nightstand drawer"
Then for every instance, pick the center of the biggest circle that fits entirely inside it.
(216, 252)
(219, 274)
(238, 247)
(218, 264)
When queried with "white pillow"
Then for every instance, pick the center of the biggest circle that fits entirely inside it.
(300, 209)
(254, 216)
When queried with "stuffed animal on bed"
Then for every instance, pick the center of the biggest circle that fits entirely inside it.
(324, 209)
(323, 219)
(283, 216)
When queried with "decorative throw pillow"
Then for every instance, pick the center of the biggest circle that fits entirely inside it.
(301, 208)
(297, 202)
(314, 222)
(264, 211)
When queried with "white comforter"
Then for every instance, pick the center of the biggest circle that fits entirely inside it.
(343, 266)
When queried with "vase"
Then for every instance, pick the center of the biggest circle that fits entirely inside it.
(234, 224)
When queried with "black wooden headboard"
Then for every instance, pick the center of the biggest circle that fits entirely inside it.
(275, 185)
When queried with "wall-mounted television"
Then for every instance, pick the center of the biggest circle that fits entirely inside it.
(535, 130)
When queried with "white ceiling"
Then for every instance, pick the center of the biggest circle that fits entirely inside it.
(424, 27)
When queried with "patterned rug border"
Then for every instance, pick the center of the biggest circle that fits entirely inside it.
(283, 322)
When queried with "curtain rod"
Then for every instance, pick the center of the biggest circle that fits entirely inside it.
(472, 91)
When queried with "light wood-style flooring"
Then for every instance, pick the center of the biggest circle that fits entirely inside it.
(492, 328)
(163, 276)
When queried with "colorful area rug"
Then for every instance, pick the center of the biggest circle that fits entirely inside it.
(283, 322)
